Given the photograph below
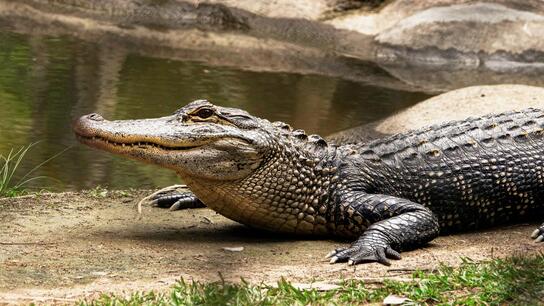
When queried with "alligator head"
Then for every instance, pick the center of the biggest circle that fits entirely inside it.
(246, 168)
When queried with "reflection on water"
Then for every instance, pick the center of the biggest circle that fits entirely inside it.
(46, 82)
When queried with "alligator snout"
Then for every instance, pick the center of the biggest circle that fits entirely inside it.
(86, 125)
(94, 117)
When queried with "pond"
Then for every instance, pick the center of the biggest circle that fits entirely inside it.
(48, 81)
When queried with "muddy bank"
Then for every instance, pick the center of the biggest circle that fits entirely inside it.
(62, 247)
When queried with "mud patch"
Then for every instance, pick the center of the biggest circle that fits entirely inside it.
(67, 246)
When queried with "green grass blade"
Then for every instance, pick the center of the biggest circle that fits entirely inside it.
(12, 162)
(18, 156)
(5, 171)
(21, 184)
(40, 164)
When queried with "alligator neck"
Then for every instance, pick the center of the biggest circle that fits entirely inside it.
(290, 193)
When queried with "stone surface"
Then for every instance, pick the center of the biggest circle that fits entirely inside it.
(431, 46)
(378, 21)
(444, 32)
(473, 35)
(462, 103)
(454, 105)
(303, 9)
(469, 27)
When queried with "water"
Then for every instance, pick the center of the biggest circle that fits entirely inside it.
(46, 82)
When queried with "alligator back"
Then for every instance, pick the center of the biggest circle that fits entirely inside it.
(472, 173)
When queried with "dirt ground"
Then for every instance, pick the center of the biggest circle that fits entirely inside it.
(60, 248)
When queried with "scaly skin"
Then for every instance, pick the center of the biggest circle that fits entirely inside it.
(394, 194)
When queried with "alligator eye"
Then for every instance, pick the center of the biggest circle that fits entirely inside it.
(204, 113)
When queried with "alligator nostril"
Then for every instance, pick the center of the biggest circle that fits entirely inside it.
(95, 117)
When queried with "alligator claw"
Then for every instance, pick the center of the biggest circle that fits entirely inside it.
(359, 253)
(186, 200)
(174, 197)
(538, 234)
(331, 253)
(176, 206)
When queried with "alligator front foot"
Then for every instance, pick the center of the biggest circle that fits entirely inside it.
(538, 234)
(397, 224)
(173, 197)
(364, 250)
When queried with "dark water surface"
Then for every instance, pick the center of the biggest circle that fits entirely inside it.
(46, 82)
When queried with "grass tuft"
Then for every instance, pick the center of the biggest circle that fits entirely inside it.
(9, 165)
(511, 281)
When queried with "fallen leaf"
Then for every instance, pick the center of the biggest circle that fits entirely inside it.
(395, 300)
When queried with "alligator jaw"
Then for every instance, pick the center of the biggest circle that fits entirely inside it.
(114, 146)
(145, 140)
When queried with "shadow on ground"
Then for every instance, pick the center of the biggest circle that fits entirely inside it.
(67, 246)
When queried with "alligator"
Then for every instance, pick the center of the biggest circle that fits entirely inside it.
(389, 195)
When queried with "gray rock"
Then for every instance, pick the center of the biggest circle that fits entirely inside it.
(468, 34)
(454, 105)
(462, 103)
(430, 46)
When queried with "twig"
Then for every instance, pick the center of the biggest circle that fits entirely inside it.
(409, 270)
(380, 280)
(401, 270)
(39, 298)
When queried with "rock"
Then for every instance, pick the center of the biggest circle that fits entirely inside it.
(442, 79)
(376, 22)
(360, 134)
(454, 105)
(300, 9)
(466, 34)
(462, 103)
(444, 45)
(429, 46)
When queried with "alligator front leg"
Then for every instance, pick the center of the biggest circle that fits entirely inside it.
(396, 224)
(174, 197)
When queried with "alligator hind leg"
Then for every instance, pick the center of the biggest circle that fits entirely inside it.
(174, 197)
(396, 225)
(538, 234)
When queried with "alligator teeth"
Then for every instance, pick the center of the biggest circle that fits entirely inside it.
(134, 144)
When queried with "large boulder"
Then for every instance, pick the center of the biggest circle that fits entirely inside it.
(454, 105)
(441, 45)
(467, 34)
(430, 46)
(462, 103)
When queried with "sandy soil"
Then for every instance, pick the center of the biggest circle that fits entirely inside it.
(59, 248)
